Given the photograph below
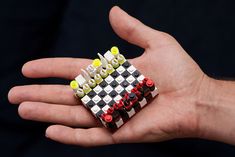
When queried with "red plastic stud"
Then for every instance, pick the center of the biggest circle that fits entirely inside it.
(108, 118)
(149, 83)
(145, 80)
(120, 104)
(110, 110)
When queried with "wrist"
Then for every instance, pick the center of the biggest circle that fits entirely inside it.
(215, 110)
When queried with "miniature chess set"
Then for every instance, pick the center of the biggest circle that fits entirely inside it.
(113, 89)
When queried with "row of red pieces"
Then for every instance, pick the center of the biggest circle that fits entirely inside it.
(129, 99)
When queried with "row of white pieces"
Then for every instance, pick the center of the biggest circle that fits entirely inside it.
(86, 76)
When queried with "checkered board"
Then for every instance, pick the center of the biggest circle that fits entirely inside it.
(112, 90)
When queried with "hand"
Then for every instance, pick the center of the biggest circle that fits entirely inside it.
(171, 115)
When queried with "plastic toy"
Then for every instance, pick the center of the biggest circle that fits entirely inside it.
(113, 89)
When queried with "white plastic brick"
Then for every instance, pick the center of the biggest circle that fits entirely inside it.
(107, 99)
(155, 92)
(140, 78)
(108, 89)
(131, 112)
(117, 98)
(85, 99)
(143, 102)
(96, 99)
(120, 69)
(97, 89)
(119, 123)
(130, 79)
(80, 80)
(131, 69)
(109, 56)
(129, 88)
(95, 109)
(105, 108)
(119, 89)
(109, 79)
(120, 79)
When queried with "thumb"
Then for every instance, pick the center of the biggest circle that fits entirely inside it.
(132, 30)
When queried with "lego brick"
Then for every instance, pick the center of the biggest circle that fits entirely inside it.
(119, 95)
(80, 80)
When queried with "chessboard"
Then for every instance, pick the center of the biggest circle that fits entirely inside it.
(113, 89)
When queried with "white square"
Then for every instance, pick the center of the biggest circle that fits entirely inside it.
(96, 99)
(117, 98)
(109, 56)
(155, 92)
(129, 88)
(119, 89)
(109, 79)
(108, 89)
(131, 69)
(120, 79)
(120, 69)
(95, 109)
(130, 79)
(85, 99)
(80, 80)
(105, 108)
(119, 123)
(143, 103)
(131, 112)
(107, 99)
(97, 89)
(140, 78)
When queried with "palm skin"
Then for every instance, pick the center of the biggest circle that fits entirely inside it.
(171, 115)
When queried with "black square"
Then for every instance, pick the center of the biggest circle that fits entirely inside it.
(111, 103)
(102, 94)
(103, 84)
(90, 104)
(115, 74)
(101, 103)
(114, 84)
(98, 114)
(134, 83)
(123, 93)
(91, 94)
(125, 74)
(113, 93)
(136, 74)
(125, 84)
(126, 64)
(149, 97)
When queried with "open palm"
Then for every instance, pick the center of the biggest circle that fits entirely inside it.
(172, 114)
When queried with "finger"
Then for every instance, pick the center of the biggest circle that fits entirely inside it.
(83, 137)
(56, 94)
(67, 68)
(60, 114)
(131, 29)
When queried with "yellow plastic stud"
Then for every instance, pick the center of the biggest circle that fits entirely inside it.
(98, 78)
(115, 63)
(121, 59)
(80, 93)
(103, 73)
(92, 83)
(115, 50)
(74, 84)
(110, 69)
(86, 88)
(96, 63)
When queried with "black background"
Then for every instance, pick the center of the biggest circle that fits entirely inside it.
(31, 29)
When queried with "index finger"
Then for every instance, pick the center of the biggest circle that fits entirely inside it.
(67, 68)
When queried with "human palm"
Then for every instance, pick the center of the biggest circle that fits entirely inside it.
(170, 115)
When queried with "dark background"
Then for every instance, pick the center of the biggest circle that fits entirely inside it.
(31, 29)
